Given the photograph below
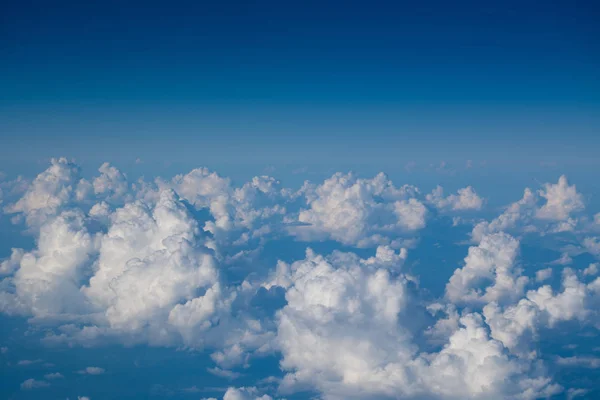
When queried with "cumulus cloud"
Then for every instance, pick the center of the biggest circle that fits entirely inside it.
(552, 209)
(465, 199)
(51, 190)
(490, 265)
(362, 212)
(561, 201)
(178, 262)
(344, 331)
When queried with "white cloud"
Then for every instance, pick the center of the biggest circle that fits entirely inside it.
(592, 269)
(48, 279)
(111, 185)
(7, 267)
(244, 393)
(30, 384)
(92, 371)
(518, 212)
(571, 303)
(491, 266)
(579, 361)
(543, 274)
(177, 262)
(149, 261)
(362, 212)
(345, 330)
(465, 199)
(51, 190)
(561, 201)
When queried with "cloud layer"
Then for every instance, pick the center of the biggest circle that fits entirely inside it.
(182, 262)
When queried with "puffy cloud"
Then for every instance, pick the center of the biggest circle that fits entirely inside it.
(490, 265)
(241, 217)
(244, 393)
(516, 327)
(561, 201)
(574, 302)
(111, 185)
(152, 262)
(543, 274)
(48, 279)
(160, 262)
(465, 199)
(51, 190)
(10, 265)
(362, 212)
(514, 214)
(30, 384)
(345, 331)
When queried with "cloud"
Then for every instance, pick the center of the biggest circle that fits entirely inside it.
(196, 262)
(51, 190)
(576, 361)
(557, 212)
(223, 373)
(55, 375)
(244, 393)
(561, 201)
(465, 199)
(30, 384)
(362, 212)
(543, 274)
(345, 330)
(492, 265)
(111, 185)
(91, 371)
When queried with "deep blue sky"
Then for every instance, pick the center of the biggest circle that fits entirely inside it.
(270, 83)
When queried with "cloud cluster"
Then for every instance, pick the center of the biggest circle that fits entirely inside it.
(554, 208)
(160, 263)
(361, 212)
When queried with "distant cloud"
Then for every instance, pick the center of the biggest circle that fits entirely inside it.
(579, 361)
(223, 373)
(30, 384)
(29, 362)
(91, 371)
(55, 375)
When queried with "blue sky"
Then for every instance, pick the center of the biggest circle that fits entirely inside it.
(290, 267)
(438, 81)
